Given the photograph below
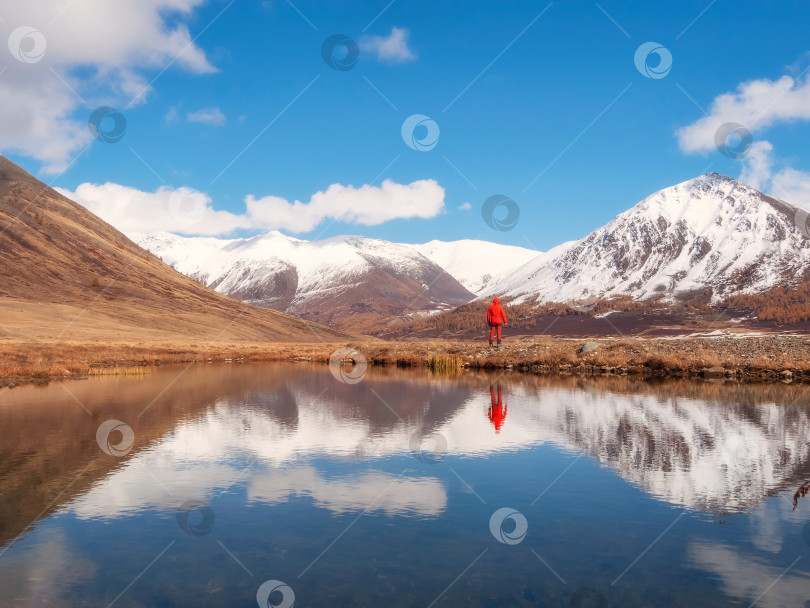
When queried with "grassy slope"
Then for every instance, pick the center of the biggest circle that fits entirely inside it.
(66, 274)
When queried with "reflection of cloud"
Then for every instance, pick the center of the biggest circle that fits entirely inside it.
(709, 456)
(377, 491)
(150, 482)
(165, 483)
(746, 578)
(766, 523)
(42, 574)
(194, 463)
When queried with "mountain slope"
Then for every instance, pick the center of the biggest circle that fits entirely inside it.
(475, 264)
(346, 281)
(65, 273)
(711, 236)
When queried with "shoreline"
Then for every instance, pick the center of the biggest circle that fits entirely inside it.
(742, 359)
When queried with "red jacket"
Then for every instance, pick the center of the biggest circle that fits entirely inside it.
(496, 313)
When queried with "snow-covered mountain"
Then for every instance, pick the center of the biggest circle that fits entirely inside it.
(711, 234)
(328, 280)
(476, 264)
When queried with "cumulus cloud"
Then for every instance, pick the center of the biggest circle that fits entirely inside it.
(792, 186)
(367, 205)
(95, 53)
(464, 207)
(208, 116)
(393, 48)
(757, 105)
(757, 165)
(189, 212)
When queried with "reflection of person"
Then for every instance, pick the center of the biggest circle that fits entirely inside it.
(496, 317)
(497, 411)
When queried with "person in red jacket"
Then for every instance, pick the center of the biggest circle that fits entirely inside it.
(496, 317)
(497, 411)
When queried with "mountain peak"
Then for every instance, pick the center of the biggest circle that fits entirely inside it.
(714, 176)
(710, 235)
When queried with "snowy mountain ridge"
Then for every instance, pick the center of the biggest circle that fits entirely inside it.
(339, 276)
(711, 236)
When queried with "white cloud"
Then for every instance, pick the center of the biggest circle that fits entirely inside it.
(464, 207)
(208, 116)
(757, 165)
(757, 105)
(186, 211)
(393, 48)
(792, 186)
(367, 205)
(171, 115)
(96, 54)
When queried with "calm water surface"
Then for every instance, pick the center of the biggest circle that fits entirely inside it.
(405, 489)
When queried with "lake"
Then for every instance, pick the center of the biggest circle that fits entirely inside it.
(245, 485)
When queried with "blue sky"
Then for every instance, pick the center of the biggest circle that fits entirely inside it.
(517, 89)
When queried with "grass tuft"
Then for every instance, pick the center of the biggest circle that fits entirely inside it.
(446, 364)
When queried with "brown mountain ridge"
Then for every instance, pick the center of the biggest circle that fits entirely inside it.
(65, 274)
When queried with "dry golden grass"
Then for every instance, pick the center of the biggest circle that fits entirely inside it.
(445, 364)
(40, 360)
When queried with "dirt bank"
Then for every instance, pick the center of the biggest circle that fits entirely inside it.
(748, 359)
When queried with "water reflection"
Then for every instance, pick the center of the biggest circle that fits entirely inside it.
(740, 574)
(497, 408)
(706, 447)
(266, 447)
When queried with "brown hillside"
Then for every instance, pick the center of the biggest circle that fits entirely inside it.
(65, 274)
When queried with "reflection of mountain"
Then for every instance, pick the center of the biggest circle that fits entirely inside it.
(710, 456)
(704, 446)
(722, 452)
(54, 455)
